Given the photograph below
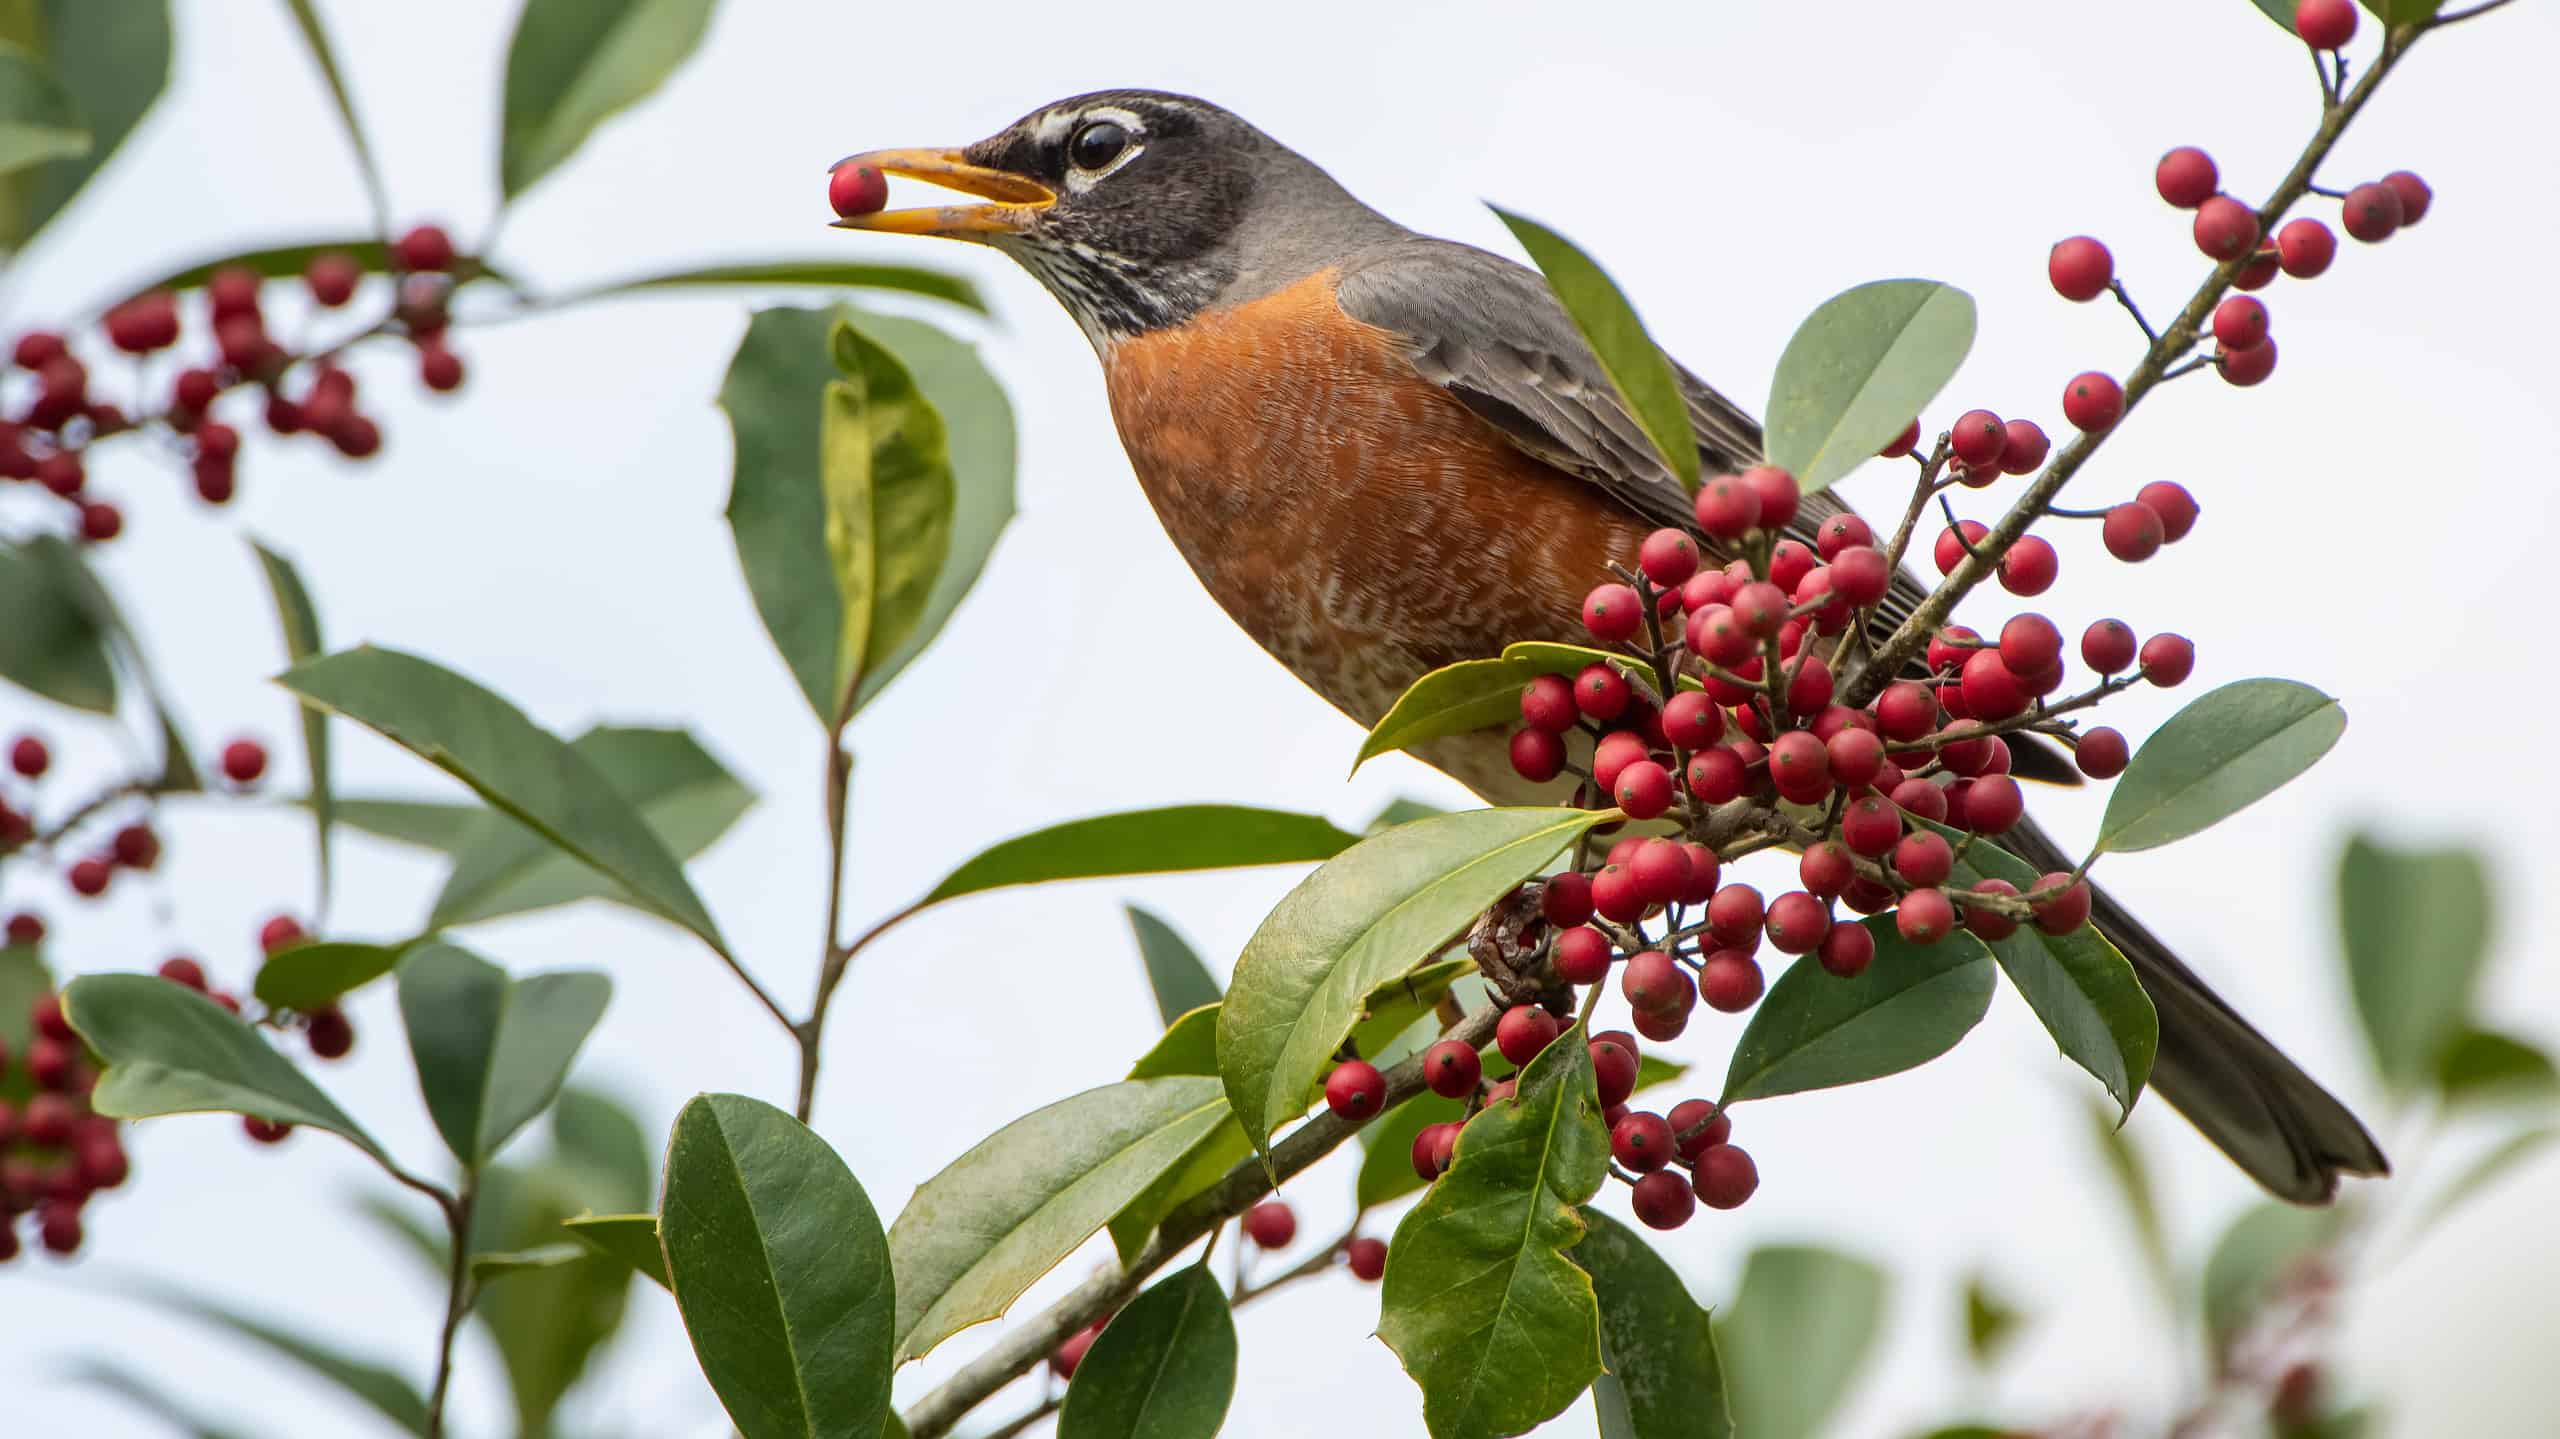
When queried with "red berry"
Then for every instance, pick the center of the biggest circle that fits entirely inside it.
(100, 522)
(1838, 533)
(1993, 804)
(2247, 367)
(1726, 508)
(1978, 438)
(2029, 643)
(1856, 756)
(1668, 557)
(1697, 1125)
(2414, 195)
(1906, 710)
(58, 1225)
(1654, 983)
(2080, 268)
(439, 369)
(1734, 916)
(2029, 567)
(1548, 704)
(279, 932)
(30, 757)
(1925, 916)
(2173, 504)
(265, 1131)
(1826, 869)
(2325, 24)
(243, 342)
(2372, 212)
(1355, 1090)
(25, 928)
(1777, 492)
(2239, 322)
(1615, 895)
(232, 290)
(2260, 272)
(1451, 1067)
(1760, 607)
(1923, 859)
(1847, 950)
(1613, 1066)
(62, 473)
(243, 760)
(1566, 899)
(1582, 956)
(1434, 1147)
(856, 190)
(1662, 1200)
(36, 347)
(1601, 692)
(1717, 776)
(1612, 612)
(2225, 229)
(214, 480)
(1953, 542)
(1661, 869)
(1903, 443)
(2168, 659)
(1797, 923)
(2187, 177)
(1692, 721)
(1537, 755)
(1872, 824)
(1642, 1142)
(2305, 247)
(356, 437)
(1986, 923)
(1366, 1257)
(332, 277)
(195, 390)
(2093, 401)
(1921, 798)
(48, 1120)
(1271, 1224)
(427, 248)
(1523, 1031)
(1730, 981)
(1991, 692)
(181, 970)
(2101, 753)
(2132, 531)
(1703, 872)
(2066, 909)
(88, 877)
(2107, 646)
(1643, 789)
(1725, 1176)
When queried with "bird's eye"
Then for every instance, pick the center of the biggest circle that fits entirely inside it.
(1096, 144)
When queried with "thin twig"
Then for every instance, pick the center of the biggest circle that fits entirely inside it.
(831, 956)
(457, 1301)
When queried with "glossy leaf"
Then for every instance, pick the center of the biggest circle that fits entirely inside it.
(1000, 1216)
(308, 975)
(1173, 840)
(907, 279)
(1163, 1368)
(315, 38)
(1552, 658)
(2255, 1255)
(780, 1271)
(2415, 924)
(376, 1385)
(885, 462)
(2078, 984)
(2486, 1171)
(574, 64)
(631, 1238)
(37, 120)
(1363, 918)
(1451, 700)
(1643, 375)
(173, 1413)
(1859, 367)
(300, 622)
(1480, 1302)
(491, 1050)
(52, 645)
(2481, 1066)
(113, 62)
(512, 763)
(1814, 1030)
(2130, 1175)
(2224, 752)
(1174, 972)
(1801, 1325)
(170, 1050)
(1664, 1380)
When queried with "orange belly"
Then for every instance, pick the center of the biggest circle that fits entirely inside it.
(1358, 521)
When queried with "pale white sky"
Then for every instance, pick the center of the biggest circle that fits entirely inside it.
(556, 533)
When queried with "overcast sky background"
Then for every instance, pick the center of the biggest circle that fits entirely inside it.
(2378, 521)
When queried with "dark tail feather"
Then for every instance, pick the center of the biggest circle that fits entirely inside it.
(2230, 1081)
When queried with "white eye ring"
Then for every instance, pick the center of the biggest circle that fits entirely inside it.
(1082, 177)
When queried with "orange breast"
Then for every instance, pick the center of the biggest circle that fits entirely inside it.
(1353, 517)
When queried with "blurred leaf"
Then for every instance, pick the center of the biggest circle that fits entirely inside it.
(574, 64)
(301, 622)
(1814, 1030)
(599, 1140)
(1163, 1368)
(909, 279)
(1480, 1302)
(23, 976)
(780, 1271)
(549, 1322)
(1363, 918)
(488, 744)
(1000, 1216)
(2415, 925)
(2485, 1171)
(2078, 984)
(1858, 369)
(1174, 971)
(287, 262)
(149, 1397)
(52, 645)
(2404, 12)
(491, 1050)
(428, 824)
(1386, 1166)
(1404, 809)
(2251, 1259)
(631, 1238)
(2480, 1066)
(2132, 1178)
(486, 1267)
(1800, 1327)
(2281, 12)
(113, 61)
(424, 1242)
(315, 37)
(1990, 1321)
(1664, 1381)
(384, 1390)
(37, 121)
(1173, 840)
(1637, 368)
(2224, 752)
(687, 798)
(308, 975)
(1451, 700)
(170, 1050)
(885, 463)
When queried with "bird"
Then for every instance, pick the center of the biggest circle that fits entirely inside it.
(1383, 453)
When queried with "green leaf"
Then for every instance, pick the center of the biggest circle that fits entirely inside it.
(2404, 12)
(2483, 1172)
(378, 1386)
(548, 1322)
(2131, 1176)
(1815, 1030)
(2224, 752)
(774, 395)
(512, 763)
(1404, 809)
(599, 1141)
(1451, 700)
(315, 38)
(427, 824)
(1990, 1321)
(287, 262)
(23, 976)
(2480, 1066)
(1643, 375)
(885, 466)
(631, 1238)
(1365, 917)
(113, 61)
(53, 644)
(1386, 1166)
(780, 1271)
(1560, 659)
(485, 1267)
(574, 64)
(687, 798)
(1479, 1302)
(1189, 1045)
(1664, 1381)
(491, 1051)
(907, 279)
(1182, 984)
(1204, 1164)
(308, 975)
(149, 1397)
(170, 1050)
(1163, 1368)
(1173, 840)
(1859, 367)
(1000, 1216)
(2281, 12)
(2079, 984)
(295, 614)
(1802, 1324)
(37, 121)
(2415, 925)
(2255, 1255)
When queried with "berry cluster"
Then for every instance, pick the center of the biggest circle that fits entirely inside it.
(55, 1151)
(47, 433)
(134, 845)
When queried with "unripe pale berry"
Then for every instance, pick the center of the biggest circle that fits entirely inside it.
(2080, 268)
(1355, 1090)
(2186, 177)
(2093, 401)
(2101, 753)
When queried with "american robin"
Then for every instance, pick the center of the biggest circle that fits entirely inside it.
(1383, 453)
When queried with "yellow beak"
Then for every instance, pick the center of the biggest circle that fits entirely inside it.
(1018, 200)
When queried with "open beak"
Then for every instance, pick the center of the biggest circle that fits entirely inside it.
(1017, 200)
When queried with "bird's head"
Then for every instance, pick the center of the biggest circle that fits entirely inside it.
(1136, 208)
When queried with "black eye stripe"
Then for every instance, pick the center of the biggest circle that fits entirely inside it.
(1097, 143)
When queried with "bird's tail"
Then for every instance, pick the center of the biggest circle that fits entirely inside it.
(2230, 1081)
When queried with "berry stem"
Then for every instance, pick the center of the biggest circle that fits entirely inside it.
(2124, 297)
